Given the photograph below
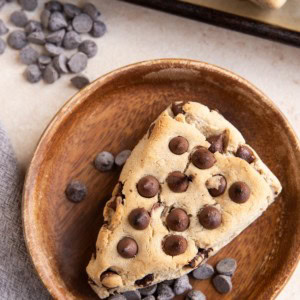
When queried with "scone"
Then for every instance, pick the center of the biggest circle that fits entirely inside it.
(190, 186)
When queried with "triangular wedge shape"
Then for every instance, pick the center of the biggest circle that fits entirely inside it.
(190, 186)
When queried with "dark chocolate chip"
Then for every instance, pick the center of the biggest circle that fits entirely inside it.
(71, 40)
(17, 39)
(56, 37)
(104, 161)
(210, 217)
(80, 81)
(19, 18)
(45, 17)
(71, 10)
(178, 220)
(216, 143)
(116, 297)
(181, 285)
(132, 295)
(222, 284)
(202, 158)
(174, 245)
(33, 26)
(169, 282)
(246, 154)
(33, 74)
(179, 145)
(139, 218)
(37, 38)
(147, 291)
(44, 60)
(57, 21)
(60, 63)
(122, 157)
(2, 46)
(127, 247)
(89, 48)
(204, 271)
(164, 292)
(177, 182)
(50, 75)
(98, 30)
(53, 50)
(145, 281)
(82, 23)
(3, 28)
(29, 5)
(177, 108)
(28, 55)
(239, 192)
(148, 186)
(78, 62)
(226, 266)
(216, 185)
(151, 297)
(53, 6)
(91, 10)
(195, 295)
(76, 191)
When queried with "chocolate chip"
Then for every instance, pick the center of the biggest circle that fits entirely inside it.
(50, 75)
(210, 217)
(91, 10)
(57, 21)
(169, 282)
(98, 29)
(104, 161)
(71, 40)
(17, 39)
(226, 266)
(56, 37)
(29, 5)
(3, 28)
(195, 295)
(89, 48)
(181, 285)
(239, 192)
(246, 154)
(177, 182)
(116, 297)
(121, 158)
(19, 18)
(127, 247)
(177, 108)
(217, 143)
(60, 63)
(71, 10)
(132, 295)
(148, 186)
(216, 185)
(53, 50)
(222, 284)
(45, 17)
(164, 292)
(145, 281)
(53, 6)
(44, 60)
(76, 191)
(202, 158)
(82, 23)
(37, 38)
(2, 46)
(28, 55)
(80, 81)
(178, 220)
(147, 291)
(174, 245)
(139, 218)
(151, 297)
(179, 145)
(78, 62)
(33, 26)
(33, 74)
(204, 271)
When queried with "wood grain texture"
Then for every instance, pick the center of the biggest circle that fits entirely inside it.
(112, 114)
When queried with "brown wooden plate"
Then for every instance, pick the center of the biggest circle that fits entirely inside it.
(112, 114)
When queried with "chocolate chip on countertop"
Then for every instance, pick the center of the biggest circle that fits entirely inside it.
(29, 5)
(37, 38)
(202, 158)
(116, 297)
(216, 185)
(71, 10)
(57, 21)
(239, 192)
(178, 145)
(82, 23)
(89, 48)
(98, 30)
(19, 18)
(164, 292)
(33, 74)
(177, 108)
(44, 60)
(177, 182)
(28, 55)
(76, 191)
(132, 295)
(71, 40)
(2, 46)
(122, 157)
(33, 26)
(45, 17)
(181, 285)
(226, 266)
(3, 28)
(145, 281)
(56, 37)
(216, 143)
(53, 50)
(174, 245)
(91, 10)
(204, 271)
(139, 218)
(80, 81)
(78, 62)
(222, 284)
(50, 75)
(178, 220)
(210, 217)
(104, 161)
(17, 39)
(147, 291)
(245, 153)
(127, 247)
(53, 6)
(195, 295)
(60, 63)
(151, 297)
(148, 186)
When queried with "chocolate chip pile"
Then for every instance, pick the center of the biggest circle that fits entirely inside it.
(59, 29)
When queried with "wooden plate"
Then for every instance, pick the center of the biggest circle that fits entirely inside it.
(112, 114)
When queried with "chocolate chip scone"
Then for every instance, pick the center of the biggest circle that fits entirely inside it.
(190, 186)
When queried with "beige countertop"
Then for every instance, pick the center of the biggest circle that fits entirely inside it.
(136, 34)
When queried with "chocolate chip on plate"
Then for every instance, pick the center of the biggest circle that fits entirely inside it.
(174, 245)
(98, 29)
(147, 291)
(76, 191)
(204, 271)
(104, 161)
(116, 297)
(216, 143)
(150, 297)
(60, 63)
(78, 62)
(50, 75)
(195, 295)
(56, 37)
(3, 28)
(245, 153)
(37, 38)
(71, 10)
(164, 292)
(203, 158)
(178, 145)
(17, 39)
(121, 158)
(2, 46)
(178, 220)
(132, 295)
(139, 218)
(82, 23)
(89, 48)
(57, 21)
(53, 6)
(177, 182)
(80, 81)
(33, 26)
(33, 74)
(181, 285)
(45, 17)
(177, 108)
(148, 186)
(210, 217)
(29, 5)
(226, 266)
(71, 40)
(28, 55)
(239, 192)
(127, 247)
(222, 284)
(19, 18)
(216, 185)
(91, 10)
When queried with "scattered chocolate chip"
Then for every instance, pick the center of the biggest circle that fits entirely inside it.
(2, 46)
(132, 295)
(179, 145)
(116, 297)
(239, 192)
(91, 10)
(246, 154)
(210, 217)
(28, 55)
(37, 38)
(19, 18)
(145, 281)
(78, 62)
(122, 157)
(178, 220)
(60, 63)
(89, 48)
(29, 5)
(139, 218)
(216, 185)
(164, 292)
(127, 247)
(50, 75)
(222, 284)
(3, 28)
(98, 30)
(204, 271)
(216, 143)
(82, 23)
(148, 186)
(45, 17)
(181, 285)
(169, 282)
(147, 291)
(71, 10)
(44, 60)
(33, 26)
(177, 182)
(76, 191)
(104, 161)
(151, 297)
(71, 40)
(80, 81)
(226, 266)
(53, 50)
(177, 108)
(33, 74)
(56, 37)
(195, 295)
(53, 6)
(57, 21)
(202, 158)
(17, 39)
(174, 245)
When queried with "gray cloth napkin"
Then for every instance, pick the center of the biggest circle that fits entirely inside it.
(18, 279)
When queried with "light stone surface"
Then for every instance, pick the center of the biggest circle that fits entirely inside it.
(135, 34)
